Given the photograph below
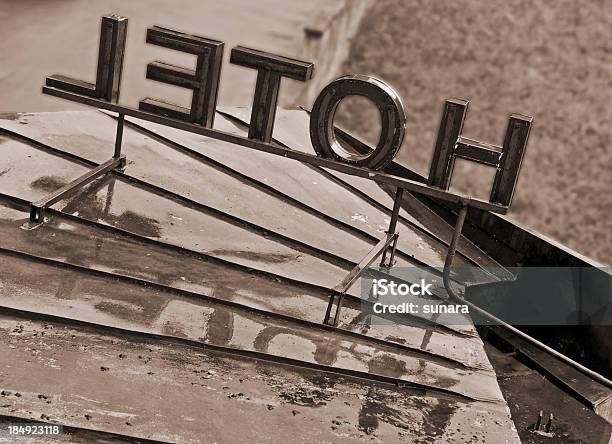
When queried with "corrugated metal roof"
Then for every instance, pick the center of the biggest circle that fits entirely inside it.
(218, 260)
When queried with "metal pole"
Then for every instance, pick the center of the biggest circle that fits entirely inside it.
(397, 204)
(330, 304)
(452, 248)
(119, 136)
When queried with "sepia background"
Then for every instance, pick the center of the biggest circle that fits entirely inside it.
(550, 59)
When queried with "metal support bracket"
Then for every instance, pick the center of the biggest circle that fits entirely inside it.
(343, 286)
(452, 248)
(387, 245)
(118, 161)
(397, 204)
(391, 251)
(37, 209)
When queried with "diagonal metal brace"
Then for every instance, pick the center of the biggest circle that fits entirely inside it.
(343, 286)
(452, 248)
(37, 209)
(397, 204)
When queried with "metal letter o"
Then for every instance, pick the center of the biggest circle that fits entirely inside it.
(393, 121)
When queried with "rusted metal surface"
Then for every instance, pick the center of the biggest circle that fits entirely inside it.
(42, 288)
(263, 401)
(80, 246)
(189, 259)
(131, 225)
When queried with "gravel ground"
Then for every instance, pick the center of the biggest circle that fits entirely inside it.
(550, 59)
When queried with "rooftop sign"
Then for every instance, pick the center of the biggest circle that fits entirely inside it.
(334, 148)
(199, 116)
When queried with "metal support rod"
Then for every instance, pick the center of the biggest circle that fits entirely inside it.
(474, 308)
(587, 371)
(330, 304)
(367, 260)
(549, 423)
(37, 209)
(338, 308)
(393, 248)
(119, 136)
(452, 248)
(343, 286)
(397, 204)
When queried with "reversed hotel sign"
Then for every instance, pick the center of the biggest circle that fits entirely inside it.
(334, 149)
(199, 116)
